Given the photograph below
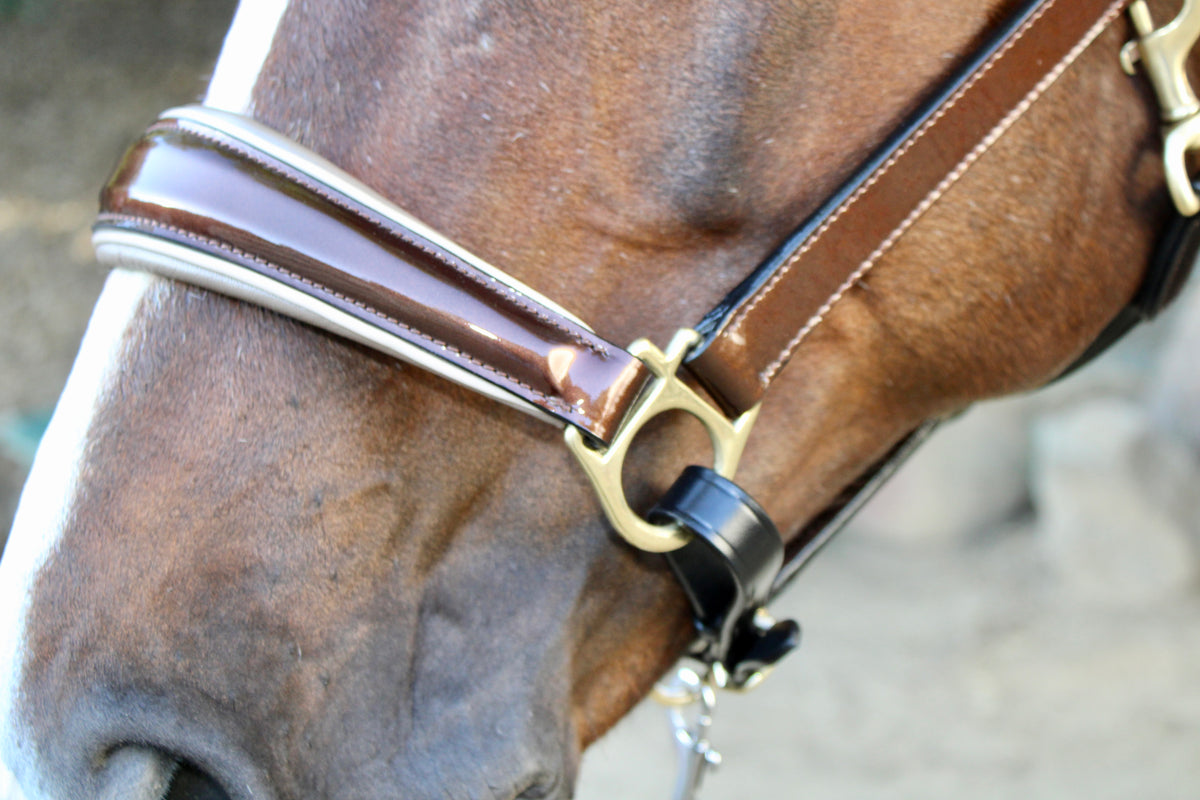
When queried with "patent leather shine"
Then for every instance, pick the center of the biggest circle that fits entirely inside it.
(215, 196)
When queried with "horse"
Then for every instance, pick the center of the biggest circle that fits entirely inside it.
(300, 569)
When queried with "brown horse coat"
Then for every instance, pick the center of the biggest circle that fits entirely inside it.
(313, 572)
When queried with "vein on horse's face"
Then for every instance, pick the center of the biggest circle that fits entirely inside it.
(49, 494)
(242, 56)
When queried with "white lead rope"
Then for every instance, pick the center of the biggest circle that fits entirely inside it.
(687, 691)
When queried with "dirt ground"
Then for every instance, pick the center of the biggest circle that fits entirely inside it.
(932, 667)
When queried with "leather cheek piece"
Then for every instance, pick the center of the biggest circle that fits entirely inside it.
(752, 333)
(218, 196)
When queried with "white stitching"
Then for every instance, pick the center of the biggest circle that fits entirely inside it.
(551, 401)
(993, 136)
(884, 169)
(288, 172)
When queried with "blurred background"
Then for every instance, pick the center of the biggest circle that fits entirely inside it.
(1018, 614)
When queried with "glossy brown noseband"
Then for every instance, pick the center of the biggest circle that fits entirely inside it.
(217, 200)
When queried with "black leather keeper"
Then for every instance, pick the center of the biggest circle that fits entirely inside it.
(727, 569)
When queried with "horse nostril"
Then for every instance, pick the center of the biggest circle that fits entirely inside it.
(190, 783)
(541, 787)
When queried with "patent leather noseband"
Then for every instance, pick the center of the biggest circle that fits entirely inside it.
(221, 201)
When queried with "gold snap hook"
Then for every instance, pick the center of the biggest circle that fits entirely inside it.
(665, 392)
(1163, 53)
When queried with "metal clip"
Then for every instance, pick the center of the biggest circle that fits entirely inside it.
(666, 392)
(1163, 54)
(696, 755)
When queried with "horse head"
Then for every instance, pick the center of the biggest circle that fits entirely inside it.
(305, 570)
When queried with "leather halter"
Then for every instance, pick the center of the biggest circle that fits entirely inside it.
(218, 200)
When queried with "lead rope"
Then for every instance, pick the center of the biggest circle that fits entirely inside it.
(688, 690)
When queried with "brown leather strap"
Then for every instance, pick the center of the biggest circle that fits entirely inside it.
(753, 333)
(219, 195)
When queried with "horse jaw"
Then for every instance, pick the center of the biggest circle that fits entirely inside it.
(49, 494)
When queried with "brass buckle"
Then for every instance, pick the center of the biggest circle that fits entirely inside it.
(1163, 54)
(665, 392)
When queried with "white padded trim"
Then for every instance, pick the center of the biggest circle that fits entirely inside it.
(132, 250)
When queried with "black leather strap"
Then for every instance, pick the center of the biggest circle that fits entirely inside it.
(1169, 269)
(737, 548)
(727, 571)
(749, 337)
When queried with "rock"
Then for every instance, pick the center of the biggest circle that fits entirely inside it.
(1174, 394)
(970, 475)
(1116, 503)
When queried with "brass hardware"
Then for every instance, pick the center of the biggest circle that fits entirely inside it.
(666, 392)
(1163, 54)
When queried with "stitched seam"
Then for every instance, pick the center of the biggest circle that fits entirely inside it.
(288, 172)
(552, 401)
(769, 372)
(884, 168)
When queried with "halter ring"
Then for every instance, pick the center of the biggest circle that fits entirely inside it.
(665, 392)
(1163, 54)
